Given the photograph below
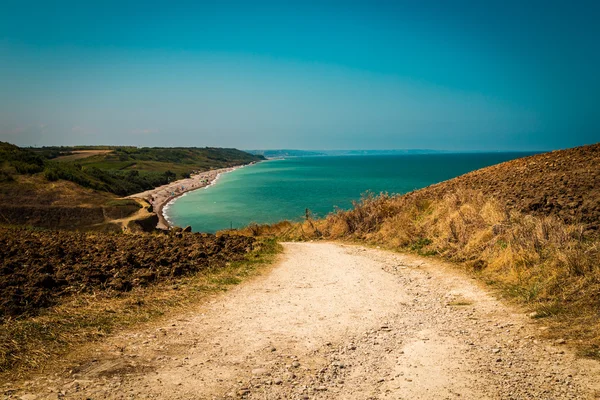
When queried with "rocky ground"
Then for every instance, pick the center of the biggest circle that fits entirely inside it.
(562, 183)
(38, 268)
(334, 321)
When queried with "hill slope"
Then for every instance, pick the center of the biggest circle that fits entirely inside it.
(565, 184)
(78, 187)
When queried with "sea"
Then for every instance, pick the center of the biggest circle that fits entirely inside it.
(284, 189)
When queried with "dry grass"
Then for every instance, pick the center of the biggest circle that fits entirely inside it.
(541, 261)
(39, 343)
(80, 154)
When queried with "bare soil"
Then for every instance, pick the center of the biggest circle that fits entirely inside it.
(38, 268)
(33, 201)
(564, 183)
(334, 321)
(80, 154)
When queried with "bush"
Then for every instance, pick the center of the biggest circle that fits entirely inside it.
(5, 176)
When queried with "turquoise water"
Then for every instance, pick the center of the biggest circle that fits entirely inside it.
(282, 189)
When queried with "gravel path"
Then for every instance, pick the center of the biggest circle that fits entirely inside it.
(332, 321)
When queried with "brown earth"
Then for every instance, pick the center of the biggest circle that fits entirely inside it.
(36, 190)
(33, 201)
(38, 268)
(564, 183)
(80, 154)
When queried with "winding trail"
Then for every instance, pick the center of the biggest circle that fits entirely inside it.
(334, 321)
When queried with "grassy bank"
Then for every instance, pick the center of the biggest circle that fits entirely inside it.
(46, 340)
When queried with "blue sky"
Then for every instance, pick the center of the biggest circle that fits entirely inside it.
(453, 75)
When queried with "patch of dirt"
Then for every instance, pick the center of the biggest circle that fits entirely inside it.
(563, 183)
(37, 268)
(335, 322)
(80, 154)
(33, 201)
(37, 191)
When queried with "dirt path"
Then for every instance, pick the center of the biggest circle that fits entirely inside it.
(337, 322)
(142, 213)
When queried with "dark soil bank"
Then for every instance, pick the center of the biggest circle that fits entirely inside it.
(565, 184)
(37, 268)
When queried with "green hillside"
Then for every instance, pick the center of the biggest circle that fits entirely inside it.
(119, 170)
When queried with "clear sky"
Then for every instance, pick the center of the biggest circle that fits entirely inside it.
(454, 75)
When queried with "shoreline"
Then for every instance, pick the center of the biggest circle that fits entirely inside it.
(161, 196)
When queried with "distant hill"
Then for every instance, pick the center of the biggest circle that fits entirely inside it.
(285, 153)
(119, 170)
(311, 153)
(73, 187)
(380, 152)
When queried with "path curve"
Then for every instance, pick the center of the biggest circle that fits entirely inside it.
(334, 321)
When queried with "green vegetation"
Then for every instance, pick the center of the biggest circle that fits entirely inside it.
(118, 182)
(14, 160)
(119, 170)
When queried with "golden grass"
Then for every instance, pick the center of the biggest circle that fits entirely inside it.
(39, 343)
(542, 262)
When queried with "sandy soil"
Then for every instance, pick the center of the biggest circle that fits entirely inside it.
(160, 196)
(333, 321)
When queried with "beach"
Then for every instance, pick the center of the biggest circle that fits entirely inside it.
(161, 196)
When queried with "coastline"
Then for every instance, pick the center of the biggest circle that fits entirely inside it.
(160, 196)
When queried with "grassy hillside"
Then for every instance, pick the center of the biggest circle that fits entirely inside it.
(128, 170)
(529, 226)
(62, 187)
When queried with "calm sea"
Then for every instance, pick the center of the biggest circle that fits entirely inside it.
(282, 189)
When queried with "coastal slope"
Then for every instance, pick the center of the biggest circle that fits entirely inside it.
(83, 188)
(562, 183)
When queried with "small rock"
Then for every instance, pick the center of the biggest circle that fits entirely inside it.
(295, 364)
(561, 341)
(496, 351)
(259, 371)
(321, 388)
(278, 381)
